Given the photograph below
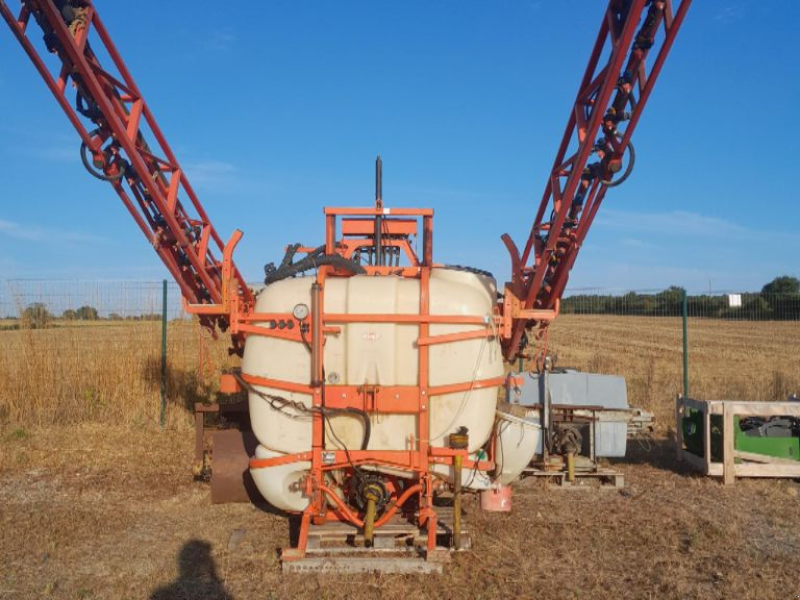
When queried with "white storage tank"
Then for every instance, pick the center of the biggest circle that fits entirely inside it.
(380, 354)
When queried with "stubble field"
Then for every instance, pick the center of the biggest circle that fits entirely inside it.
(97, 502)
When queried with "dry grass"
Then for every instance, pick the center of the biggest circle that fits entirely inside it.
(108, 372)
(106, 508)
(111, 510)
(728, 360)
(104, 372)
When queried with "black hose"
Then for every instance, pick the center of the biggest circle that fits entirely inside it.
(287, 258)
(628, 169)
(468, 270)
(312, 261)
(280, 404)
(99, 174)
(361, 415)
(88, 108)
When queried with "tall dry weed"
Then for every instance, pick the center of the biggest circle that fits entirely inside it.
(106, 372)
(109, 372)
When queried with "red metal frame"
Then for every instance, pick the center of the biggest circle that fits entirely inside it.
(124, 134)
(623, 82)
(397, 226)
(617, 81)
(129, 150)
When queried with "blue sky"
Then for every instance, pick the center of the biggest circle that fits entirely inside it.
(278, 108)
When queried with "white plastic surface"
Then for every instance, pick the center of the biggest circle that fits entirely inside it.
(471, 479)
(380, 354)
(280, 485)
(518, 440)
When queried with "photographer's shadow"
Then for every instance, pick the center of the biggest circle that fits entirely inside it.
(197, 576)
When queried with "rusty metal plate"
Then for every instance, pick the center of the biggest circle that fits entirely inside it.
(230, 473)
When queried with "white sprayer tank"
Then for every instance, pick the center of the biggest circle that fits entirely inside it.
(381, 354)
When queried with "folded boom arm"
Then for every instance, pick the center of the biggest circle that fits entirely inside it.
(122, 144)
(634, 40)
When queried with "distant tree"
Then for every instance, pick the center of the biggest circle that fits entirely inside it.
(87, 313)
(779, 300)
(115, 317)
(782, 285)
(711, 307)
(668, 302)
(757, 308)
(674, 291)
(783, 296)
(69, 315)
(36, 316)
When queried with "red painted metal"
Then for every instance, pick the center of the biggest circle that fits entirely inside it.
(129, 149)
(367, 227)
(126, 147)
(415, 461)
(614, 91)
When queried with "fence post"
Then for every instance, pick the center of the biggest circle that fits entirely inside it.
(164, 355)
(685, 345)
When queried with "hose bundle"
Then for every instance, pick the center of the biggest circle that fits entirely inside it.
(313, 260)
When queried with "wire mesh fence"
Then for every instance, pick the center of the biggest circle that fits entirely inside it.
(71, 300)
(737, 345)
(74, 351)
(78, 350)
(751, 306)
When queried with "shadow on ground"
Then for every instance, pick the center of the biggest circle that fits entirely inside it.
(197, 576)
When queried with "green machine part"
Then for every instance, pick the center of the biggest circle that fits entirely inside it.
(778, 447)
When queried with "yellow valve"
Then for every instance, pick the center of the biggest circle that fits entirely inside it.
(372, 495)
(458, 441)
(571, 467)
(457, 465)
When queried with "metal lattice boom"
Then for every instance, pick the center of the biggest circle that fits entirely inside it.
(634, 40)
(123, 145)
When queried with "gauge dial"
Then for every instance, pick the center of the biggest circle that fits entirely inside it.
(300, 312)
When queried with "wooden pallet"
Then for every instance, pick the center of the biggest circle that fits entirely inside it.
(398, 547)
(750, 464)
(600, 478)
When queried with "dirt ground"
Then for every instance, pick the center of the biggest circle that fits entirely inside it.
(100, 510)
(97, 512)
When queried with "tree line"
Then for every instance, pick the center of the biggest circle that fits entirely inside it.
(37, 316)
(778, 300)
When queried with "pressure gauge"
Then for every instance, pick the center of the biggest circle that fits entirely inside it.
(300, 312)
